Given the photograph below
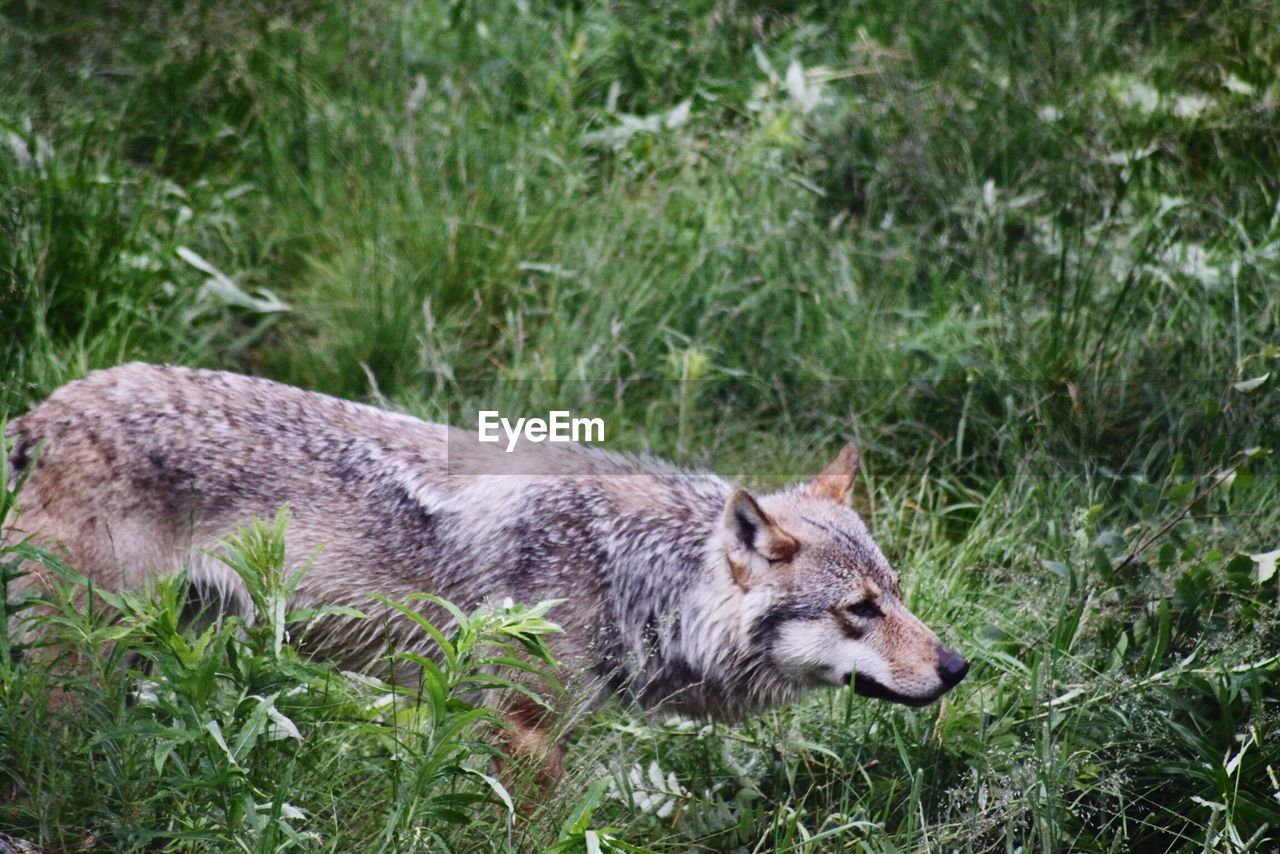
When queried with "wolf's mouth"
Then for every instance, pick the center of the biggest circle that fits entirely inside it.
(868, 687)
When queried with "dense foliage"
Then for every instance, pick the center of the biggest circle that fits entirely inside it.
(1026, 254)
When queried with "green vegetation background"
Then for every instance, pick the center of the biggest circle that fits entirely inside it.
(1026, 254)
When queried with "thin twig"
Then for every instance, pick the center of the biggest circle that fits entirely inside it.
(1180, 515)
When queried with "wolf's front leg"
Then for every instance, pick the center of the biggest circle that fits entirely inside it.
(533, 740)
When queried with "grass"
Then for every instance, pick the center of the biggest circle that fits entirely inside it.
(1023, 256)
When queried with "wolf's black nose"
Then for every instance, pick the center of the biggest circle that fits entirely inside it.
(951, 666)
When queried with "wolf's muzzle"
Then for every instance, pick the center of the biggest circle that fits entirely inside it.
(951, 666)
(867, 687)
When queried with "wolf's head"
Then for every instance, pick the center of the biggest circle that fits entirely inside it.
(821, 603)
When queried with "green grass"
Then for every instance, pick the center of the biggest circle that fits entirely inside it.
(1021, 254)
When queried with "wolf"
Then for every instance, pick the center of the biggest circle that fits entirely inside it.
(682, 592)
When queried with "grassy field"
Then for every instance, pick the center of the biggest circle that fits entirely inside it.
(1027, 255)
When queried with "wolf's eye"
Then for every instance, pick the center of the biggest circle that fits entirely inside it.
(866, 609)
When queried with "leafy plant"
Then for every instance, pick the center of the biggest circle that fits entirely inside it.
(219, 724)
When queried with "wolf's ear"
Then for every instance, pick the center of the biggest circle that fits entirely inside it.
(752, 539)
(836, 480)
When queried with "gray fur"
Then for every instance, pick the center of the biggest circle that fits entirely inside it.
(669, 601)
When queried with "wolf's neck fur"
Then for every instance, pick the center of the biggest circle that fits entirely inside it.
(685, 645)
